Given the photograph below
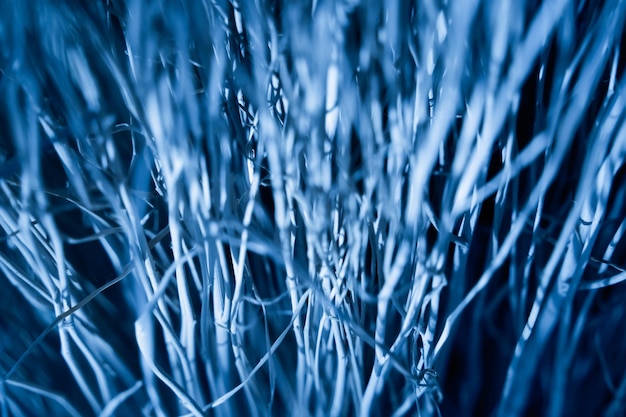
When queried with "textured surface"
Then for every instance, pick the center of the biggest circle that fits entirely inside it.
(329, 208)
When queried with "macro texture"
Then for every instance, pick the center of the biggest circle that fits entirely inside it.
(326, 208)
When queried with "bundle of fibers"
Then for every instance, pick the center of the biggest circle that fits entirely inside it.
(265, 207)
